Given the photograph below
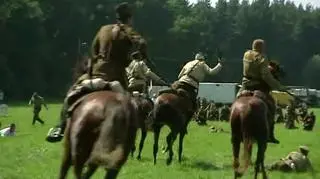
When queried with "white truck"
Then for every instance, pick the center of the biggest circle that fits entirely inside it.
(218, 92)
(224, 93)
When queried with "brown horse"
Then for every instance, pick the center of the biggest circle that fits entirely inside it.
(101, 132)
(249, 123)
(170, 109)
(145, 106)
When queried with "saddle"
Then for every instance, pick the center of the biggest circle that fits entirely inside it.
(179, 91)
(255, 93)
(259, 94)
(76, 96)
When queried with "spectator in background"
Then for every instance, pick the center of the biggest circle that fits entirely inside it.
(37, 102)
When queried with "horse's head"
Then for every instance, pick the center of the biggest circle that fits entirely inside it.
(276, 70)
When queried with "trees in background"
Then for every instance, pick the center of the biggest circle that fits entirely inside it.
(41, 40)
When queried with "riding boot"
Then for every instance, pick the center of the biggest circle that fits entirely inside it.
(56, 134)
(272, 138)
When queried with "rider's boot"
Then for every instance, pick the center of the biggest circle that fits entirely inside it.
(272, 138)
(56, 133)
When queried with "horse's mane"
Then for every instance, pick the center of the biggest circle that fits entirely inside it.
(80, 67)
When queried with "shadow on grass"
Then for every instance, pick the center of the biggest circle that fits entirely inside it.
(202, 165)
(143, 159)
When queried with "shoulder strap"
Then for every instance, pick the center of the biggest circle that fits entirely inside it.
(191, 69)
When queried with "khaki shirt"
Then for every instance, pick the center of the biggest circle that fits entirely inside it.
(138, 72)
(301, 162)
(199, 69)
(255, 70)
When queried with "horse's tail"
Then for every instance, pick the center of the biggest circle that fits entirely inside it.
(247, 139)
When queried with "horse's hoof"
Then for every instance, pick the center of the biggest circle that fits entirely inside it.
(273, 141)
(238, 174)
(169, 161)
(138, 157)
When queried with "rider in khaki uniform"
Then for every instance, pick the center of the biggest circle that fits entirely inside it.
(192, 74)
(257, 76)
(138, 72)
(111, 50)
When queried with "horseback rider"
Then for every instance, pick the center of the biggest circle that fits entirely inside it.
(110, 52)
(257, 76)
(138, 72)
(192, 73)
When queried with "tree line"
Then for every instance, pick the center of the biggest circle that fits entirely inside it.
(41, 41)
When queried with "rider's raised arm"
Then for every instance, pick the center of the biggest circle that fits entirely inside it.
(212, 71)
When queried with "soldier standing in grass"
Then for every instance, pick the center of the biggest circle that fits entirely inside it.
(37, 102)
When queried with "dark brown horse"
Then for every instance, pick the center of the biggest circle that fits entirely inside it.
(145, 106)
(101, 132)
(170, 109)
(249, 123)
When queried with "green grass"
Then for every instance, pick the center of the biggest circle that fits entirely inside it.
(206, 155)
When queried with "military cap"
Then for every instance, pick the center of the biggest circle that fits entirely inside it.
(304, 148)
(199, 56)
(123, 11)
(258, 45)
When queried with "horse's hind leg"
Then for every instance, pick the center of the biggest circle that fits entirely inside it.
(133, 149)
(181, 136)
(143, 137)
(236, 150)
(111, 173)
(170, 144)
(168, 139)
(262, 146)
(156, 143)
(90, 171)
(66, 163)
(67, 160)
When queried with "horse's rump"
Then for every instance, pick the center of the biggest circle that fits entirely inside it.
(169, 106)
(249, 117)
(104, 128)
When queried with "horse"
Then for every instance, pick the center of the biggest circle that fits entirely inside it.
(145, 106)
(170, 109)
(101, 132)
(249, 123)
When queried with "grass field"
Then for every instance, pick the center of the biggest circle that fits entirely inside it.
(206, 155)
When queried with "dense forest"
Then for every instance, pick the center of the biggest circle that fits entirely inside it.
(42, 40)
